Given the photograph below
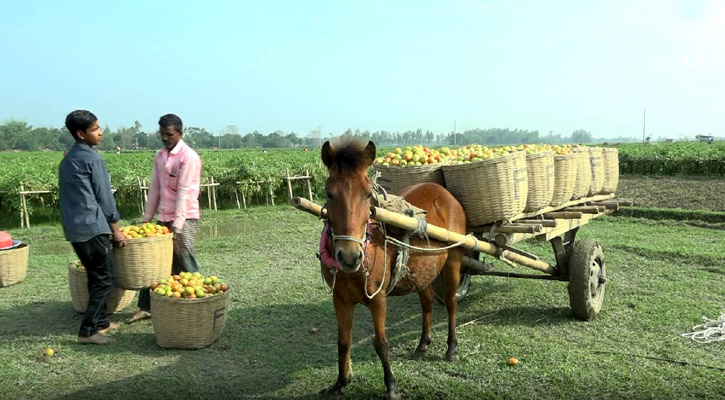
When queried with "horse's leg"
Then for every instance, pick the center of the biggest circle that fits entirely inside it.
(426, 303)
(377, 308)
(344, 313)
(451, 278)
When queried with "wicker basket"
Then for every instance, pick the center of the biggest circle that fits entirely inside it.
(13, 265)
(78, 285)
(489, 190)
(595, 158)
(564, 178)
(610, 159)
(540, 177)
(143, 261)
(188, 323)
(583, 173)
(395, 179)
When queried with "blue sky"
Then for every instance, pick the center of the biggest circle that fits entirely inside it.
(393, 65)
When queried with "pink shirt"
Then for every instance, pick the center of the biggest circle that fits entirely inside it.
(175, 185)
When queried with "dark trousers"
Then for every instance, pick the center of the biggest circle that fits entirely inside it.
(184, 257)
(97, 257)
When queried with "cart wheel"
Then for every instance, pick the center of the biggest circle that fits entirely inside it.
(587, 277)
(440, 291)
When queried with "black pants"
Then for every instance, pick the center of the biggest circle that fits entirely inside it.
(97, 256)
(184, 259)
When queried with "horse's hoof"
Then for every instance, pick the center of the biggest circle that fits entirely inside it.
(393, 395)
(452, 357)
(333, 393)
(418, 354)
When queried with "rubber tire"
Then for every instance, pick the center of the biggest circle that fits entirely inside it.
(586, 267)
(463, 286)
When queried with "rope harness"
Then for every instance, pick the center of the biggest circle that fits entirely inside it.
(400, 268)
(712, 330)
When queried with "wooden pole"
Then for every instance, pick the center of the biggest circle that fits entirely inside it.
(208, 195)
(271, 193)
(214, 193)
(309, 185)
(438, 233)
(289, 184)
(236, 195)
(20, 202)
(25, 206)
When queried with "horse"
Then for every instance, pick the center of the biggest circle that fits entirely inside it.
(359, 264)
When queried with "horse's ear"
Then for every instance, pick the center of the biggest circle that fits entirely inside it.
(370, 153)
(327, 154)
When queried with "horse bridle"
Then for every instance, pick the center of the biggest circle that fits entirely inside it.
(334, 264)
(363, 241)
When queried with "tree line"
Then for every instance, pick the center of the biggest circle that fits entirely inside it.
(19, 135)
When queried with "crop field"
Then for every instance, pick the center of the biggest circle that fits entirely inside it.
(260, 172)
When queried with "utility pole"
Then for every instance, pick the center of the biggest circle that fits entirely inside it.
(644, 121)
(220, 142)
(454, 133)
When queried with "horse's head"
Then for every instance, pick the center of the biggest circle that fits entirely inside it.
(348, 199)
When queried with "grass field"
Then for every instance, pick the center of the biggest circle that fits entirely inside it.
(280, 338)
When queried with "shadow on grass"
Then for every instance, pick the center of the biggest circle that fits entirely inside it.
(39, 319)
(262, 350)
(265, 348)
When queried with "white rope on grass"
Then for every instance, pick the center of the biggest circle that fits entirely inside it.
(713, 330)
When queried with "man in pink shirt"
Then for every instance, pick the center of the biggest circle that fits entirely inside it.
(174, 195)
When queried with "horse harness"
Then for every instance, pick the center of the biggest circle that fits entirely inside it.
(400, 267)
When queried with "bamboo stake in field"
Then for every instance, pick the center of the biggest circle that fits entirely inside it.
(435, 232)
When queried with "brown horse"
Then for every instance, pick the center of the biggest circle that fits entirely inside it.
(357, 249)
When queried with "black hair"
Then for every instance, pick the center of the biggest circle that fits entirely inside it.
(172, 120)
(79, 120)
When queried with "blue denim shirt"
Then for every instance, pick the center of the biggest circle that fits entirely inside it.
(86, 199)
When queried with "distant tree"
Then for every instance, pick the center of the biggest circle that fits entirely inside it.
(199, 137)
(275, 139)
(581, 136)
(11, 132)
(253, 139)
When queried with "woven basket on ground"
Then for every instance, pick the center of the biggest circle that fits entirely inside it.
(143, 261)
(489, 190)
(395, 179)
(78, 285)
(610, 158)
(583, 173)
(564, 178)
(595, 158)
(188, 323)
(13, 265)
(540, 177)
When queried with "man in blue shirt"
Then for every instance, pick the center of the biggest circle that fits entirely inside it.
(89, 216)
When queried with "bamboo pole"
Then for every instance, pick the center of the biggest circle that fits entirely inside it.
(309, 185)
(289, 184)
(236, 196)
(25, 206)
(208, 195)
(213, 195)
(438, 233)
(20, 202)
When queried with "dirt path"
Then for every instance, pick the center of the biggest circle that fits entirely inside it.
(692, 193)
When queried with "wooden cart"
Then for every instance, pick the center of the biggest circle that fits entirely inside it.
(580, 262)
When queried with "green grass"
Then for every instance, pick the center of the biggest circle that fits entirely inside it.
(663, 277)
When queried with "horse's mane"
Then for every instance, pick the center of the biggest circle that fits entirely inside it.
(349, 155)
